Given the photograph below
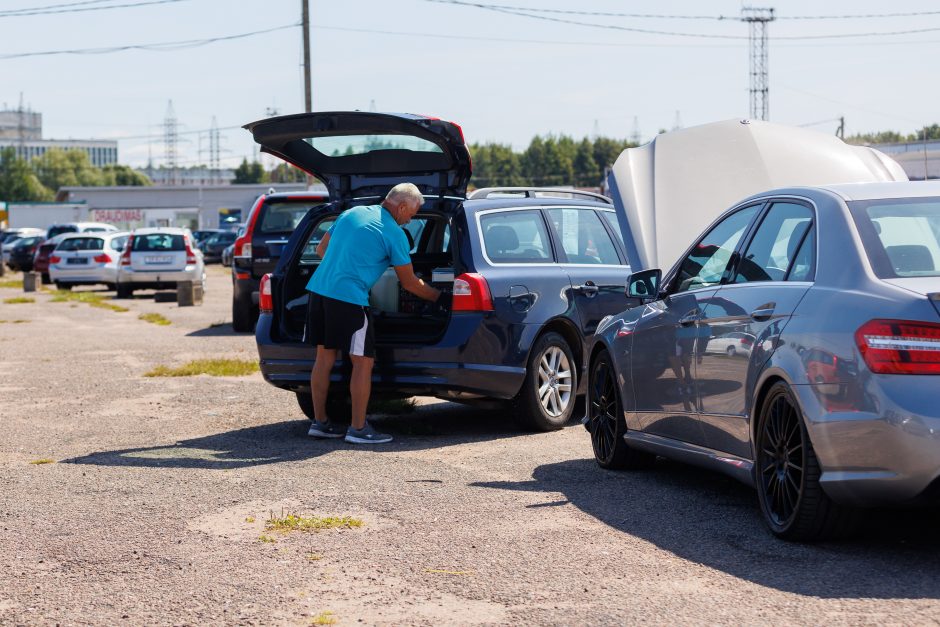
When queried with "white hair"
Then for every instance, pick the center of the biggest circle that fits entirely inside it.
(405, 192)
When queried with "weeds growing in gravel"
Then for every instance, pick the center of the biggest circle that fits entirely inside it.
(293, 522)
(12, 283)
(153, 318)
(13, 321)
(91, 298)
(266, 539)
(324, 618)
(44, 460)
(19, 300)
(214, 367)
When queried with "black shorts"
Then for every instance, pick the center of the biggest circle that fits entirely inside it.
(339, 325)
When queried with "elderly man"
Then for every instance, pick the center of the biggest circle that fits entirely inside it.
(356, 251)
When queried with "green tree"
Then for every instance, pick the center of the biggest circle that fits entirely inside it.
(248, 173)
(586, 171)
(18, 182)
(58, 168)
(495, 165)
(116, 174)
(286, 173)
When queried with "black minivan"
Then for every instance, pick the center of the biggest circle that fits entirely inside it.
(532, 272)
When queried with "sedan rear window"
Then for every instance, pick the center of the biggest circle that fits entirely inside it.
(60, 229)
(81, 243)
(158, 242)
(347, 145)
(901, 236)
(283, 217)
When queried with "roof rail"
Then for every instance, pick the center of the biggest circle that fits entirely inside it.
(536, 192)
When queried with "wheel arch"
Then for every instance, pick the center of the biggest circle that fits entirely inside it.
(565, 328)
(763, 386)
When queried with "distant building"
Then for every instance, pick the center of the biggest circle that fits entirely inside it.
(21, 130)
(920, 160)
(199, 175)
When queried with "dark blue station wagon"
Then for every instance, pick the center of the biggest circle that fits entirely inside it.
(532, 273)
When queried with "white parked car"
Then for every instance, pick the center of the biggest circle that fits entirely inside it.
(80, 227)
(731, 344)
(87, 259)
(157, 259)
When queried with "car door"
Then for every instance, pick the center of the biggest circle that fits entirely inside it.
(767, 282)
(666, 342)
(596, 271)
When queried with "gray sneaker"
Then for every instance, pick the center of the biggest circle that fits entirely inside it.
(328, 429)
(366, 435)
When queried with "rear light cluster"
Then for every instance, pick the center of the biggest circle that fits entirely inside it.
(900, 346)
(265, 300)
(126, 255)
(102, 258)
(242, 246)
(190, 253)
(55, 259)
(471, 293)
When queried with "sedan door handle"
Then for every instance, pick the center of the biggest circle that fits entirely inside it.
(588, 289)
(689, 319)
(763, 312)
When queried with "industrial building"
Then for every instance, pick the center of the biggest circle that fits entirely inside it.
(21, 129)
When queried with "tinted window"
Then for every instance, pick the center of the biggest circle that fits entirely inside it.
(516, 237)
(158, 241)
(804, 264)
(26, 242)
(583, 236)
(346, 145)
(775, 244)
(118, 242)
(81, 243)
(901, 236)
(707, 262)
(283, 217)
(221, 238)
(309, 255)
(60, 229)
(611, 218)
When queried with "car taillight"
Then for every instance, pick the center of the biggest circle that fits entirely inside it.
(126, 255)
(243, 244)
(102, 258)
(745, 341)
(265, 301)
(471, 293)
(900, 346)
(190, 253)
(55, 259)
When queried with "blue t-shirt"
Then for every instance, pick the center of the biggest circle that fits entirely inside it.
(364, 242)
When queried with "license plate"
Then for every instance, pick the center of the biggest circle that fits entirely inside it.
(158, 259)
(76, 260)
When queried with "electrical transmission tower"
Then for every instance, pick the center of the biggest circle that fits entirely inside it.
(214, 160)
(635, 137)
(170, 143)
(757, 19)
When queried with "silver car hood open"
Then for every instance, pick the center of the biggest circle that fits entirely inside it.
(667, 191)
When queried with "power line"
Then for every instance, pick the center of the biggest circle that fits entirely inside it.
(56, 6)
(50, 11)
(156, 47)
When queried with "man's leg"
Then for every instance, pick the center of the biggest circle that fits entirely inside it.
(320, 380)
(360, 387)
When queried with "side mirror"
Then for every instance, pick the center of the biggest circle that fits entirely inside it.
(644, 285)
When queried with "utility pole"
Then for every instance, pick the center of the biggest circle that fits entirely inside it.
(308, 99)
(840, 132)
(757, 19)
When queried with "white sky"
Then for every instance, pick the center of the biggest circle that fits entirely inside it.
(524, 77)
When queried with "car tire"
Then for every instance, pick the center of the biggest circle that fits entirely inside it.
(544, 404)
(731, 351)
(787, 473)
(243, 314)
(59, 285)
(338, 406)
(124, 291)
(606, 423)
(46, 279)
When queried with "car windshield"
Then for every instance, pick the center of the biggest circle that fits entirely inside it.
(158, 242)
(60, 229)
(81, 243)
(221, 238)
(283, 217)
(901, 235)
(26, 242)
(347, 145)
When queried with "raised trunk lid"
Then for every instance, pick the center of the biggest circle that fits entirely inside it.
(359, 154)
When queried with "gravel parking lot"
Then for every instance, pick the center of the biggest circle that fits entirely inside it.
(154, 507)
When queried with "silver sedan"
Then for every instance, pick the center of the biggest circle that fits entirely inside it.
(837, 403)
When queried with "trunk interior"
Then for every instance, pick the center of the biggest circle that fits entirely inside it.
(399, 316)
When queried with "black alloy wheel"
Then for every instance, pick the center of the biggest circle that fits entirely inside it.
(792, 500)
(606, 423)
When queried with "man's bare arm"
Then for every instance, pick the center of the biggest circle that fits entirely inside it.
(321, 247)
(408, 280)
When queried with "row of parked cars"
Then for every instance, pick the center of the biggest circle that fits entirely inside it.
(793, 342)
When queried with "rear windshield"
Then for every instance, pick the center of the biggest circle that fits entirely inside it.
(117, 243)
(347, 145)
(901, 236)
(221, 238)
(60, 229)
(158, 241)
(81, 243)
(26, 242)
(283, 217)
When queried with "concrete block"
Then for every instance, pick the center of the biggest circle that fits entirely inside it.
(29, 281)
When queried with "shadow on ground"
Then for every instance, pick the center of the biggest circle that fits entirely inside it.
(710, 519)
(429, 426)
(217, 330)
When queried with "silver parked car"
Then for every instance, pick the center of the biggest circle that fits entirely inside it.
(86, 258)
(159, 258)
(836, 405)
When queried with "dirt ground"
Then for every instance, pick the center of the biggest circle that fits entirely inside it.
(153, 508)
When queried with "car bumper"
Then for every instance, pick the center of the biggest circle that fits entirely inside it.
(134, 277)
(99, 274)
(455, 368)
(882, 446)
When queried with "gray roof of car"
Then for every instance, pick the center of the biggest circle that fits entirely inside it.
(878, 191)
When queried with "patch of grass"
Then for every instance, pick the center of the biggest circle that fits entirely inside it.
(11, 283)
(19, 300)
(90, 298)
(393, 406)
(44, 460)
(250, 519)
(293, 522)
(314, 557)
(214, 367)
(324, 618)
(153, 318)
(13, 321)
(266, 539)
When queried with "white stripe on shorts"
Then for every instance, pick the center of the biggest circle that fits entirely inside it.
(358, 344)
